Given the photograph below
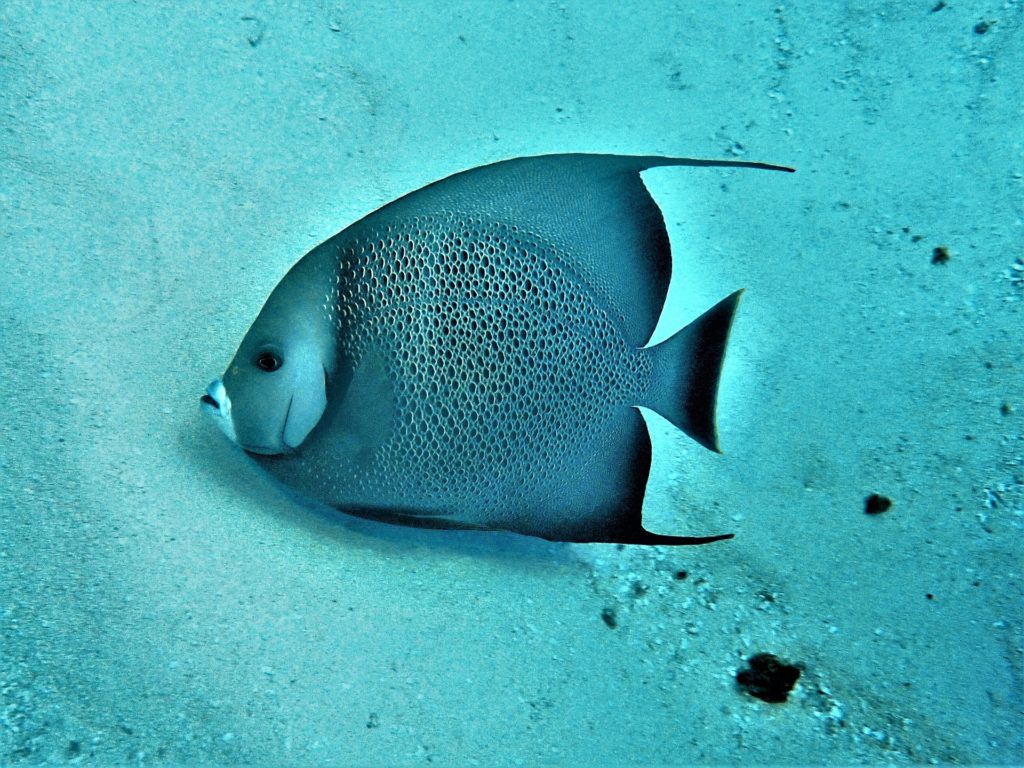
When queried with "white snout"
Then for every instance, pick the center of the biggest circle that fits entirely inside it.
(217, 405)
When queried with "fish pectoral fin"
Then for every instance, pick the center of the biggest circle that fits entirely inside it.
(367, 412)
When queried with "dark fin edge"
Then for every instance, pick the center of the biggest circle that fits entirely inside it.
(410, 518)
(655, 161)
(641, 536)
(644, 536)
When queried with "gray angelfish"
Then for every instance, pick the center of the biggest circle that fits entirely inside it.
(472, 355)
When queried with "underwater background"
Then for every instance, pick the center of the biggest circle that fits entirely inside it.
(162, 165)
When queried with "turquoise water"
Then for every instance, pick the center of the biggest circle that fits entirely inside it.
(162, 602)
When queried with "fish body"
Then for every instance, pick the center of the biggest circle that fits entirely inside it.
(472, 355)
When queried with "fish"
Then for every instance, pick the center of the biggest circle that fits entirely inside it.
(474, 355)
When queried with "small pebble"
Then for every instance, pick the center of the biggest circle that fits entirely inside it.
(876, 503)
(768, 678)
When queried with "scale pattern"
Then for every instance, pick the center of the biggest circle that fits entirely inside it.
(505, 362)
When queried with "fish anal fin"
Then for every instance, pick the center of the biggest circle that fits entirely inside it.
(606, 503)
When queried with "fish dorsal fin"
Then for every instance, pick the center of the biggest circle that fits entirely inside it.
(593, 209)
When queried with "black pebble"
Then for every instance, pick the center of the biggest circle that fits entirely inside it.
(940, 255)
(680, 575)
(768, 678)
(608, 616)
(876, 503)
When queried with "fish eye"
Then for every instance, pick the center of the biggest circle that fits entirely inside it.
(268, 361)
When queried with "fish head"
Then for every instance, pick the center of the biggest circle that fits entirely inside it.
(274, 392)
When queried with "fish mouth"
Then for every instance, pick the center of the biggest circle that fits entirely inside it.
(216, 404)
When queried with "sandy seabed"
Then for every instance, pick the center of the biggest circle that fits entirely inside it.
(163, 164)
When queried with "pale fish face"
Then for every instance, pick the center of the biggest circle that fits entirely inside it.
(272, 395)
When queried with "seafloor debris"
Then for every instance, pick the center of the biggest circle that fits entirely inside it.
(876, 503)
(768, 677)
(1015, 274)
(255, 30)
(940, 255)
(609, 618)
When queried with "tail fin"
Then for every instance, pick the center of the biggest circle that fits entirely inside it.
(684, 382)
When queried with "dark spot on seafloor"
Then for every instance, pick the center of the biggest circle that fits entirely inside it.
(639, 589)
(929, 596)
(940, 255)
(608, 617)
(680, 575)
(1005, 409)
(74, 748)
(876, 503)
(373, 721)
(938, 6)
(768, 677)
(255, 32)
(983, 26)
